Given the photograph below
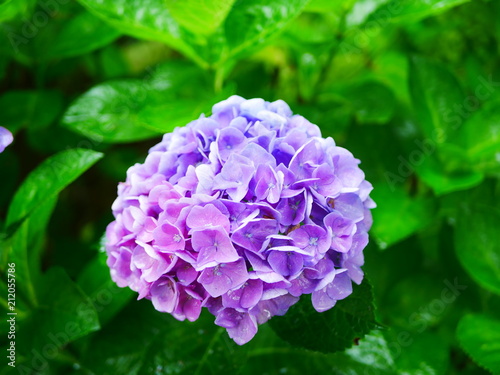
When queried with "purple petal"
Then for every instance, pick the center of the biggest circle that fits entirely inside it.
(6, 138)
(164, 294)
(240, 326)
(213, 246)
(223, 277)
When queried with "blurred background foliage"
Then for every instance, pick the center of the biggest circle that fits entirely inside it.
(411, 87)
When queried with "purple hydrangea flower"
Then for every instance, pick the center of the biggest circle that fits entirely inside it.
(6, 138)
(241, 213)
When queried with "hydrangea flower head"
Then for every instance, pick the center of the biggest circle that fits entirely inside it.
(241, 212)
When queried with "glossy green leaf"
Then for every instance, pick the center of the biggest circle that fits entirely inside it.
(480, 135)
(35, 200)
(30, 108)
(410, 10)
(48, 179)
(133, 110)
(477, 245)
(398, 215)
(252, 22)
(330, 331)
(109, 112)
(479, 335)
(150, 20)
(434, 92)
(199, 16)
(81, 34)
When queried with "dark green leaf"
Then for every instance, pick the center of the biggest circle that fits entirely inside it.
(142, 341)
(33, 109)
(36, 197)
(477, 245)
(435, 92)
(108, 299)
(252, 22)
(372, 102)
(81, 34)
(479, 335)
(199, 16)
(398, 215)
(64, 315)
(330, 331)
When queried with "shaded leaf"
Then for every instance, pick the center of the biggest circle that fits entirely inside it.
(330, 331)
(155, 342)
(30, 108)
(372, 102)
(37, 196)
(477, 245)
(434, 92)
(81, 34)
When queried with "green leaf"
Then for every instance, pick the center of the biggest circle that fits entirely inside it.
(30, 108)
(433, 173)
(48, 179)
(252, 22)
(132, 110)
(330, 331)
(480, 135)
(107, 298)
(149, 19)
(199, 16)
(81, 34)
(435, 92)
(477, 245)
(64, 315)
(372, 102)
(410, 10)
(35, 199)
(109, 112)
(398, 215)
(142, 341)
(479, 336)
